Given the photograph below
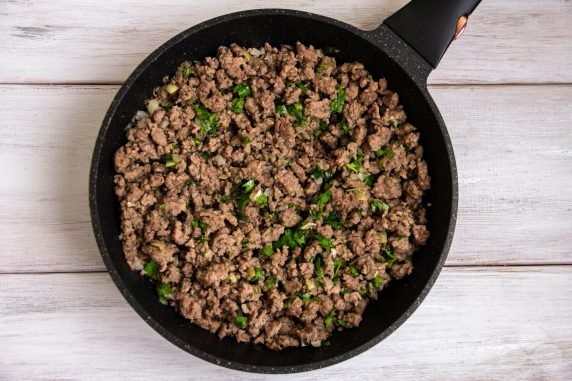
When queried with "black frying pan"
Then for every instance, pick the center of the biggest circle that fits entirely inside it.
(404, 50)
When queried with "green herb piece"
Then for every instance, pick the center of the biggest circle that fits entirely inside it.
(205, 155)
(254, 274)
(354, 272)
(167, 104)
(291, 239)
(318, 172)
(207, 119)
(242, 90)
(151, 270)
(359, 212)
(323, 128)
(344, 126)
(267, 251)
(241, 321)
(248, 186)
(389, 256)
(224, 198)
(262, 200)
(385, 152)
(378, 281)
(362, 291)
(161, 206)
(303, 86)
(306, 297)
(237, 105)
(319, 266)
(330, 319)
(245, 140)
(297, 110)
(270, 281)
(379, 206)
(203, 239)
(196, 62)
(325, 242)
(342, 323)
(188, 72)
(171, 160)
(338, 264)
(369, 180)
(323, 199)
(164, 290)
(337, 105)
(393, 122)
(355, 165)
(334, 221)
(326, 65)
(281, 109)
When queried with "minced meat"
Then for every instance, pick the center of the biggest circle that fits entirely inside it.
(270, 193)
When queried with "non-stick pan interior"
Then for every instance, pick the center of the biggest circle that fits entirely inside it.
(252, 30)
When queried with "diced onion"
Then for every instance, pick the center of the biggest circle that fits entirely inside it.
(319, 181)
(316, 343)
(310, 284)
(171, 88)
(334, 253)
(158, 244)
(140, 115)
(164, 123)
(153, 106)
(257, 52)
(268, 192)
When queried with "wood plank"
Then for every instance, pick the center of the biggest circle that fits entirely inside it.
(507, 41)
(513, 157)
(77, 326)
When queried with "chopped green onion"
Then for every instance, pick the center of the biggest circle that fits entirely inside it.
(254, 274)
(325, 242)
(270, 281)
(338, 264)
(241, 321)
(188, 72)
(330, 318)
(197, 142)
(248, 186)
(323, 199)
(161, 206)
(224, 198)
(378, 281)
(354, 272)
(164, 290)
(207, 119)
(334, 221)
(393, 122)
(262, 200)
(369, 180)
(171, 160)
(342, 323)
(355, 165)
(167, 105)
(267, 251)
(242, 90)
(344, 126)
(237, 105)
(297, 110)
(306, 297)
(389, 256)
(319, 266)
(303, 86)
(151, 270)
(337, 105)
(379, 205)
(385, 152)
(245, 140)
(281, 110)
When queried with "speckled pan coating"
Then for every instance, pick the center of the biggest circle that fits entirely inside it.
(384, 54)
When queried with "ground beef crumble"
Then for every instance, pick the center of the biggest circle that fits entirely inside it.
(271, 193)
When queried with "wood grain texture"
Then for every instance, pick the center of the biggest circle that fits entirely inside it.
(507, 41)
(476, 324)
(513, 160)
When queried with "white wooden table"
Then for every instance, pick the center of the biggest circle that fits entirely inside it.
(503, 304)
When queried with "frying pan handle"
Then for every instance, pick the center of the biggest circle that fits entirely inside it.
(429, 26)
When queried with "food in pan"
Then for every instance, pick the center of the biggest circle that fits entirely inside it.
(271, 193)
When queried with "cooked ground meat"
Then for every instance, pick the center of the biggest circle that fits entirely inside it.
(271, 193)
